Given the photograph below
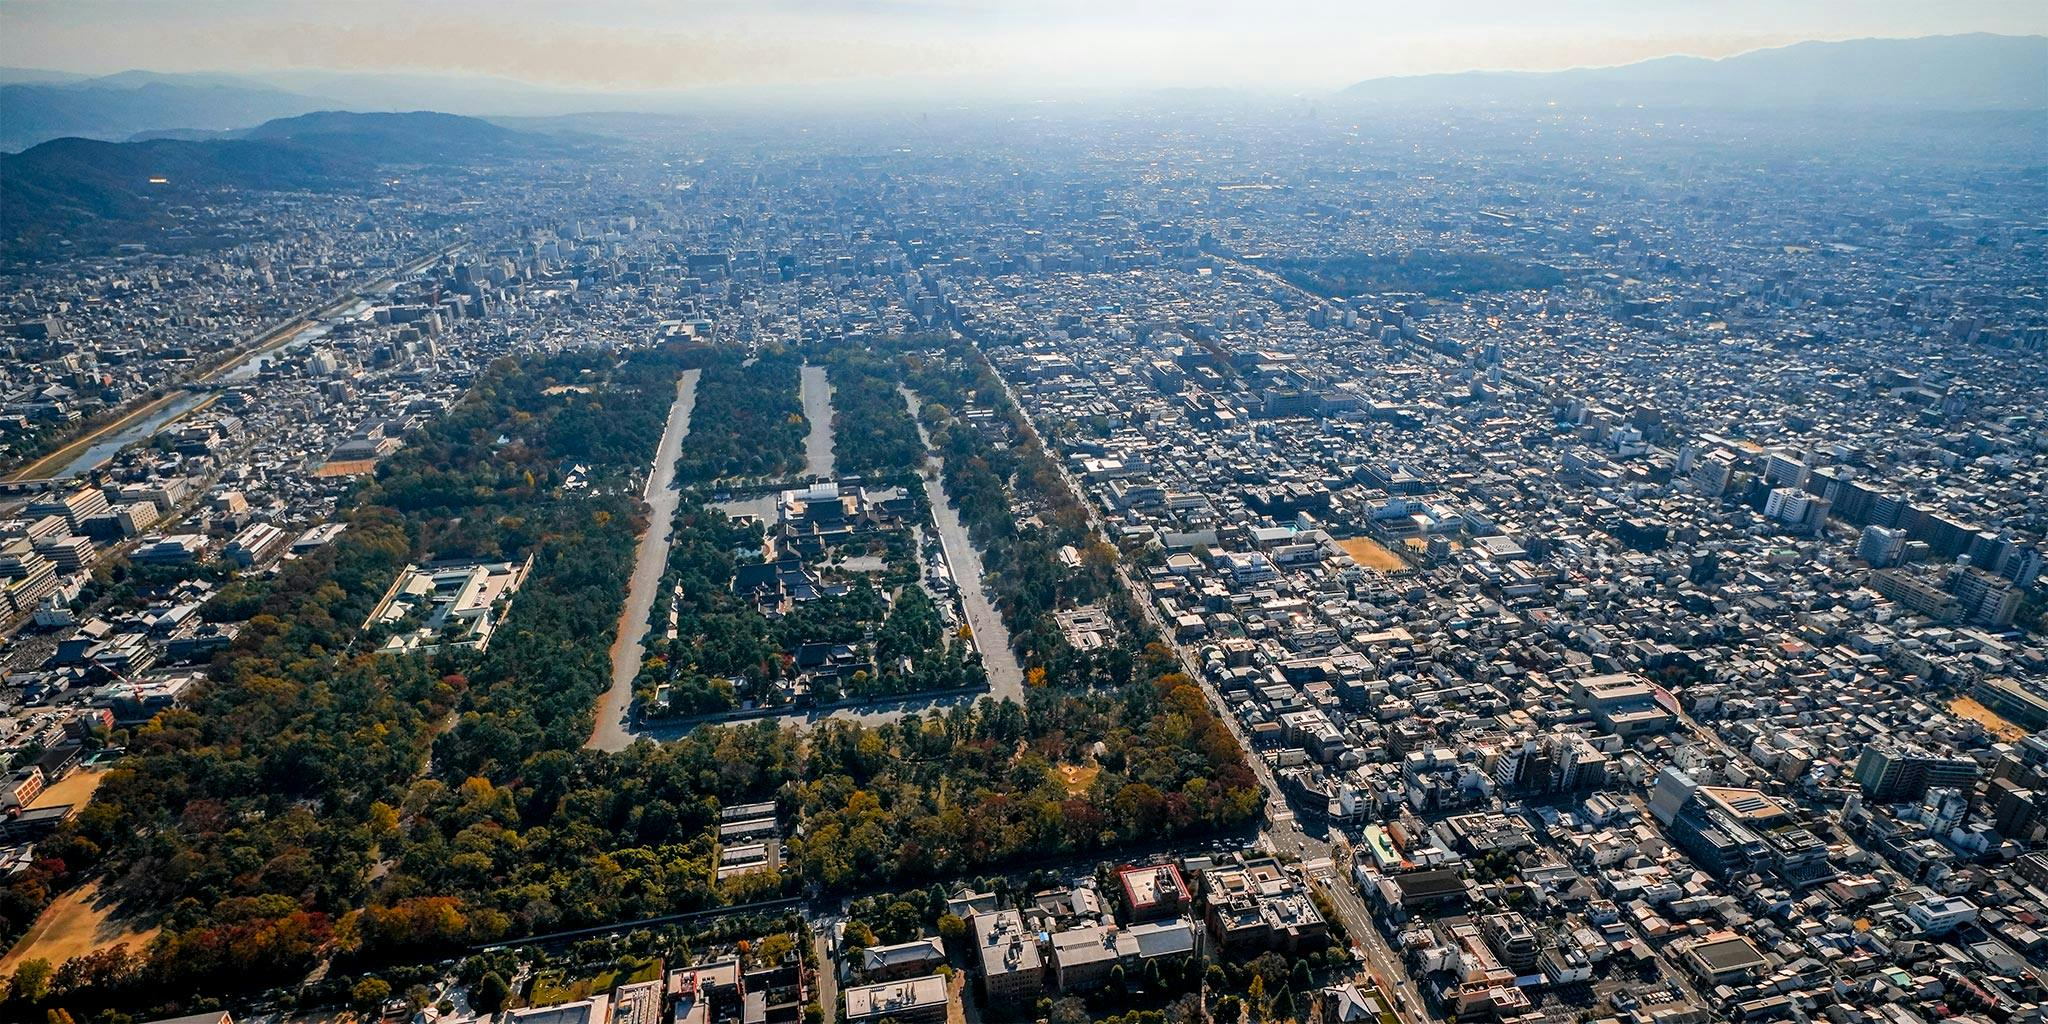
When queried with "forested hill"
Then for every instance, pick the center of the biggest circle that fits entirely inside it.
(72, 194)
(35, 109)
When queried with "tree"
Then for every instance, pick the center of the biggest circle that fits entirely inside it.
(1271, 969)
(952, 928)
(31, 980)
(370, 993)
(490, 993)
(904, 921)
(1069, 1010)
(1229, 1010)
(773, 948)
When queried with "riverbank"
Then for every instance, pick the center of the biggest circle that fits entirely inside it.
(41, 468)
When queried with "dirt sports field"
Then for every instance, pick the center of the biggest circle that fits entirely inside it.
(75, 923)
(1372, 554)
(78, 921)
(1998, 727)
(75, 788)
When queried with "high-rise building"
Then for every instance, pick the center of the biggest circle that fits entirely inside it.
(1853, 500)
(75, 507)
(2015, 810)
(1944, 533)
(1881, 547)
(1986, 599)
(2023, 567)
(1784, 469)
(26, 577)
(1711, 475)
(1916, 593)
(1989, 550)
(1887, 509)
(1796, 509)
(1893, 773)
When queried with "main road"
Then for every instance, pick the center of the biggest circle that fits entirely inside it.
(1284, 832)
(614, 728)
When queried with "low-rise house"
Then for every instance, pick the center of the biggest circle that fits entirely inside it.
(903, 959)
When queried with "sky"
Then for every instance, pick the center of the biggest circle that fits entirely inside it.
(1011, 46)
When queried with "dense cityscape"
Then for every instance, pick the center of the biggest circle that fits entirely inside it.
(1276, 562)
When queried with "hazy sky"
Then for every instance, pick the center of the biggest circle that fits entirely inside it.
(1038, 45)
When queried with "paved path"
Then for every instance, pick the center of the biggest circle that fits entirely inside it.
(872, 714)
(816, 392)
(615, 709)
(991, 637)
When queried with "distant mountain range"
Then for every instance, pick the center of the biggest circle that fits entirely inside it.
(91, 192)
(39, 105)
(1964, 72)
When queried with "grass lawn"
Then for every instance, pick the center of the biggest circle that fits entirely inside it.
(554, 986)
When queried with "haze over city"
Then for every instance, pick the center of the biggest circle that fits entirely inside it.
(959, 512)
(1056, 47)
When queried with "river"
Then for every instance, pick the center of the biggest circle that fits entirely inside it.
(102, 451)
